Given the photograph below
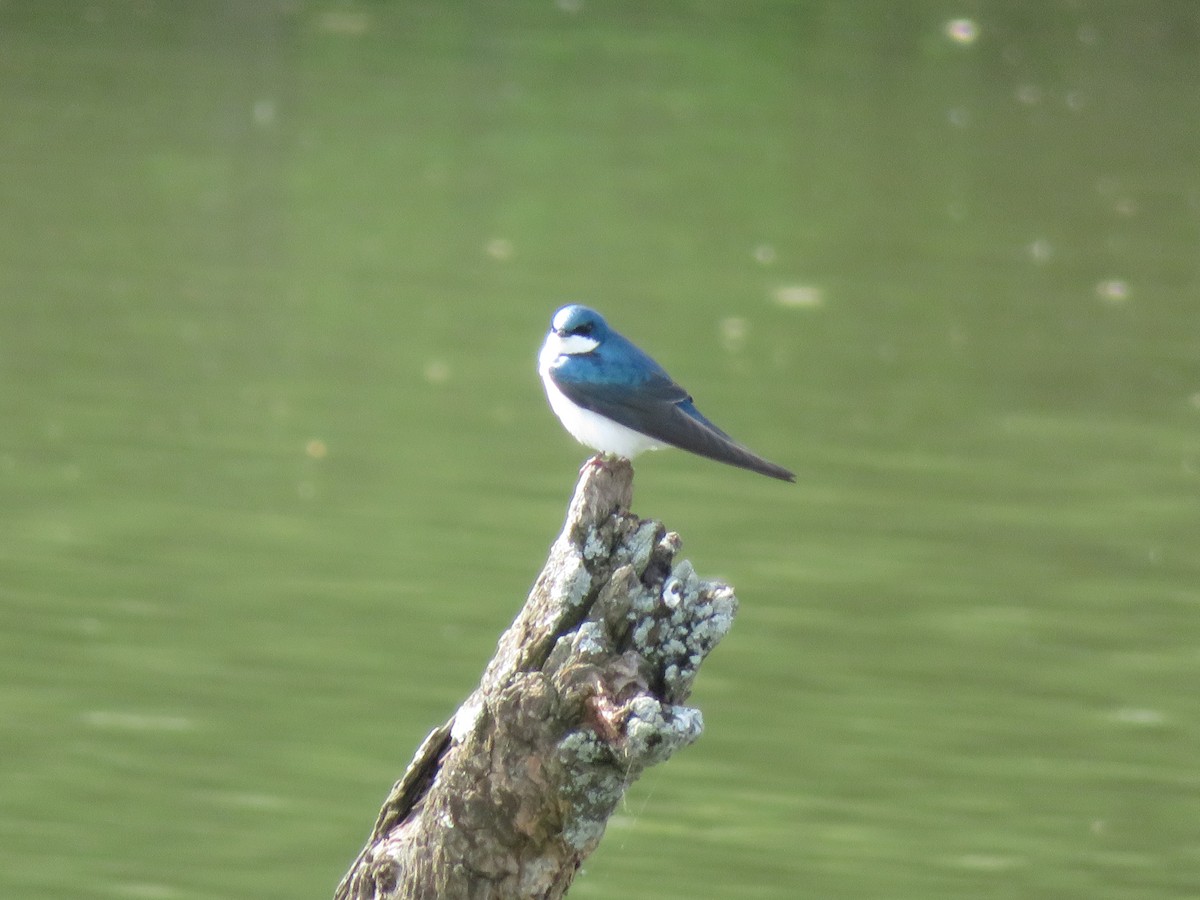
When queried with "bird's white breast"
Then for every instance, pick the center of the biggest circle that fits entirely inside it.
(589, 428)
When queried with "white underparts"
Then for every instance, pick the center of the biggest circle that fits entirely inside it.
(589, 428)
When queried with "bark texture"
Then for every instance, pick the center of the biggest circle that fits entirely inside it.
(585, 691)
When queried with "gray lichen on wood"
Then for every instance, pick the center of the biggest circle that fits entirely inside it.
(585, 691)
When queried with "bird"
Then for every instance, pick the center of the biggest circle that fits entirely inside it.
(612, 397)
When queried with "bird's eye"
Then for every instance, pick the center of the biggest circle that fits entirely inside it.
(583, 329)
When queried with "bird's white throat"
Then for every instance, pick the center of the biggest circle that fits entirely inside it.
(565, 345)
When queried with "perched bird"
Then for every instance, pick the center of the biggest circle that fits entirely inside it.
(615, 399)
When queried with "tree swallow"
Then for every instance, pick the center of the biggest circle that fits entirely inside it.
(614, 398)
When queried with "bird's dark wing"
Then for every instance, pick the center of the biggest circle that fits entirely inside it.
(646, 399)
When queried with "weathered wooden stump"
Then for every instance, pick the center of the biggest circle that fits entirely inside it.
(585, 691)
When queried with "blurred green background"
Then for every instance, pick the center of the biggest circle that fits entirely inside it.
(276, 469)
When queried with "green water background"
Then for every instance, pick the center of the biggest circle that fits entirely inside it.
(275, 468)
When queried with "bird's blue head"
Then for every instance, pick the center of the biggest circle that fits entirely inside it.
(578, 329)
(578, 320)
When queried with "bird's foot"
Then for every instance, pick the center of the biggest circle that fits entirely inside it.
(600, 461)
